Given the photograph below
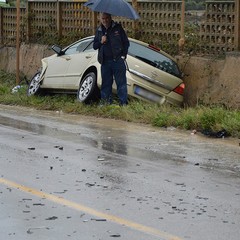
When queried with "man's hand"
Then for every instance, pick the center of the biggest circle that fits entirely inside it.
(104, 39)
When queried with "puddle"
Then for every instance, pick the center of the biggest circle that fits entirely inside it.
(181, 149)
(108, 144)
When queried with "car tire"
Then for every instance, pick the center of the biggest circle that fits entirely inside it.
(34, 85)
(88, 90)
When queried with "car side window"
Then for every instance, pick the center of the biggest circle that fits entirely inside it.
(153, 58)
(78, 47)
(89, 47)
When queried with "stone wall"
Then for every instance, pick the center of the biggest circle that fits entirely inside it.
(208, 80)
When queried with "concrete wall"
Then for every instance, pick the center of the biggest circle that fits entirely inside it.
(30, 58)
(208, 80)
(212, 80)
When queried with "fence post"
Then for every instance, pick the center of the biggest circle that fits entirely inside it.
(28, 33)
(95, 22)
(181, 41)
(18, 43)
(237, 21)
(1, 25)
(135, 22)
(59, 18)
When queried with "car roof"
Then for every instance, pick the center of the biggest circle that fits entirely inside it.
(157, 49)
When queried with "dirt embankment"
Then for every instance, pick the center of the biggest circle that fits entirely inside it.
(208, 80)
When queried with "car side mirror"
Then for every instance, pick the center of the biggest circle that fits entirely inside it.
(57, 49)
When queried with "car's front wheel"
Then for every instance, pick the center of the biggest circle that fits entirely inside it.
(88, 90)
(34, 86)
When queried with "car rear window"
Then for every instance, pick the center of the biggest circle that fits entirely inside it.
(154, 58)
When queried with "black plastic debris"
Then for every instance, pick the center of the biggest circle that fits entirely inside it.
(31, 148)
(52, 218)
(99, 219)
(90, 184)
(38, 204)
(220, 134)
(115, 235)
(59, 147)
(29, 231)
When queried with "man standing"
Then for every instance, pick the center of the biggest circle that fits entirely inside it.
(112, 44)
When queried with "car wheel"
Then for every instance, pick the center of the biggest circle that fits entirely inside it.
(34, 86)
(88, 90)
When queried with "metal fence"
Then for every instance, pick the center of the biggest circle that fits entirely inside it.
(159, 21)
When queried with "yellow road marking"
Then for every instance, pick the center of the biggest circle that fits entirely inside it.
(91, 211)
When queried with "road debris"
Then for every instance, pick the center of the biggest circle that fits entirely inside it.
(99, 220)
(31, 148)
(30, 230)
(52, 218)
(101, 158)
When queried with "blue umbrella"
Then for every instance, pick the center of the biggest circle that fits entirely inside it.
(119, 8)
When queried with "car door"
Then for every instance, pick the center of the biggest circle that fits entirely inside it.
(56, 70)
(152, 67)
(64, 70)
(78, 62)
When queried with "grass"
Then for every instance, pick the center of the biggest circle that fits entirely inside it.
(206, 119)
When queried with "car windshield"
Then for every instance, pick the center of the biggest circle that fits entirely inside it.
(154, 58)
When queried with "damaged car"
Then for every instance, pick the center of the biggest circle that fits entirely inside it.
(152, 74)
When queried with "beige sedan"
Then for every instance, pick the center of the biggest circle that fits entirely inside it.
(152, 75)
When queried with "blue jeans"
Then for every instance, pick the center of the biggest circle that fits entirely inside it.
(114, 70)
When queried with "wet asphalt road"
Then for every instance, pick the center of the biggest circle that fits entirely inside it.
(72, 177)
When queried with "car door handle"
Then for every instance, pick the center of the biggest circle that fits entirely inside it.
(68, 58)
(88, 56)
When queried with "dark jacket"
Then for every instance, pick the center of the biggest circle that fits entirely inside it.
(117, 42)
